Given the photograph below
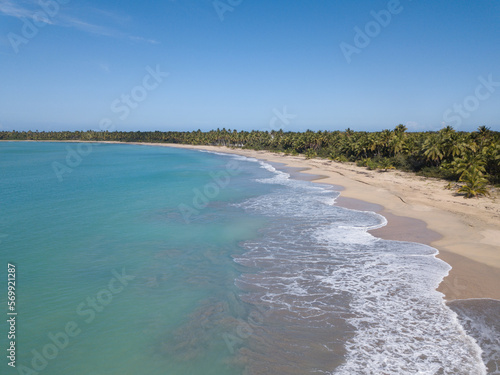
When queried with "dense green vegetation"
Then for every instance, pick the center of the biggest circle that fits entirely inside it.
(471, 159)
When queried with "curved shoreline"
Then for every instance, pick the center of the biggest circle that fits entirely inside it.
(464, 235)
(465, 232)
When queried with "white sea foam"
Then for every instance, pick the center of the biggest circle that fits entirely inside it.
(318, 262)
(401, 322)
(479, 317)
(234, 156)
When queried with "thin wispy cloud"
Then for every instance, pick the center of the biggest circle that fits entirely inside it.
(117, 18)
(91, 28)
(8, 8)
(144, 40)
(26, 10)
(67, 21)
(104, 67)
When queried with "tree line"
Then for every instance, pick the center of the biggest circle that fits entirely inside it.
(469, 160)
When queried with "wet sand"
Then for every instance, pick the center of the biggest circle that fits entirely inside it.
(467, 278)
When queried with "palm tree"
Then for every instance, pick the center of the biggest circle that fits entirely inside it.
(400, 129)
(447, 130)
(386, 164)
(468, 164)
(372, 144)
(397, 145)
(475, 184)
(483, 135)
(456, 149)
(432, 150)
(385, 139)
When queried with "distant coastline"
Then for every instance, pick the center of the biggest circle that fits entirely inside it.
(469, 161)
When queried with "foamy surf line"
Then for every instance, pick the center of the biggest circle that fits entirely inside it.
(384, 290)
(281, 175)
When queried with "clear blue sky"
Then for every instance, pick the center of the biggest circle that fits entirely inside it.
(66, 65)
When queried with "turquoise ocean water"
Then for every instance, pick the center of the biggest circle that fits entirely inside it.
(152, 260)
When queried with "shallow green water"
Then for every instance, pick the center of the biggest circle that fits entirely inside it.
(117, 212)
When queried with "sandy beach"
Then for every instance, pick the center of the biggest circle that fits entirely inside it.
(465, 231)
